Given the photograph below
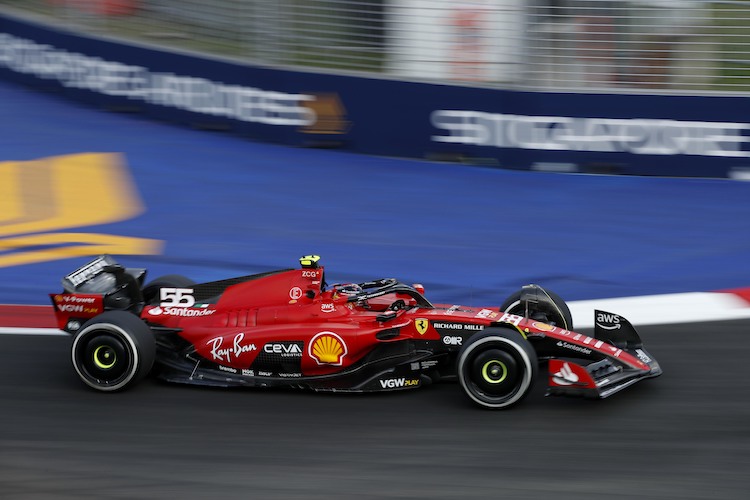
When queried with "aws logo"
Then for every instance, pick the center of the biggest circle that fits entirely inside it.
(41, 197)
(327, 348)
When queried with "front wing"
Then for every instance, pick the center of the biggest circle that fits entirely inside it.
(607, 376)
(599, 379)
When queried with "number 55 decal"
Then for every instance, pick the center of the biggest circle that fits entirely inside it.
(176, 297)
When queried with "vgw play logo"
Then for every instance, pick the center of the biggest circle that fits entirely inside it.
(40, 198)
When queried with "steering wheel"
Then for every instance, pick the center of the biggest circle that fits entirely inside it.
(397, 305)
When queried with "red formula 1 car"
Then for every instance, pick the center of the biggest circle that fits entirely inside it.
(288, 328)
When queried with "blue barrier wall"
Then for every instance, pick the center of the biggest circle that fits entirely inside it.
(664, 135)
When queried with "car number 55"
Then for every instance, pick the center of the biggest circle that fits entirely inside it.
(176, 297)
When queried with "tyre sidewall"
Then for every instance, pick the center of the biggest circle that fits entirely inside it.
(113, 328)
(506, 341)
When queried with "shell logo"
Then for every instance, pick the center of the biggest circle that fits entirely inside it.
(542, 326)
(327, 348)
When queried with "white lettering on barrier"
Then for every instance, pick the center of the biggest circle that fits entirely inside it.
(637, 136)
(135, 82)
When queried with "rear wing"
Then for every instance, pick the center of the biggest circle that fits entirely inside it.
(99, 285)
(86, 273)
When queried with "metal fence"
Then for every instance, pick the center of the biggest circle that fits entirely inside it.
(666, 46)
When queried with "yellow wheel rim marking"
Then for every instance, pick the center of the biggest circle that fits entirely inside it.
(491, 369)
(99, 364)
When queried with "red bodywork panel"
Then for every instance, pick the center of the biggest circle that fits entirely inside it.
(78, 305)
(268, 314)
(288, 314)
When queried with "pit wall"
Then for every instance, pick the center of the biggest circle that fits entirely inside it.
(644, 134)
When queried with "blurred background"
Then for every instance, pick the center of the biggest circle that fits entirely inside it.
(476, 92)
(555, 45)
(465, 145)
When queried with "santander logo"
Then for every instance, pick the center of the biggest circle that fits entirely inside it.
(565, 376)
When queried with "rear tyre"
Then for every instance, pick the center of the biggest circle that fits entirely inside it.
(551, 309)
(497, 368)
(151, 289)
(113, 351)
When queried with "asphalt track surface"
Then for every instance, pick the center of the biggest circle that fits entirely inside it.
(683, 435)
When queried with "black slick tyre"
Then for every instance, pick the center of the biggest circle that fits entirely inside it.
(552, 309)
(113, 351)
(497, 368)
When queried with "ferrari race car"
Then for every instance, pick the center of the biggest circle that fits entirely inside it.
(289, 328)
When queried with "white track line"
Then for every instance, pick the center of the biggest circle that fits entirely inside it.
(664, 309)
(30, 331)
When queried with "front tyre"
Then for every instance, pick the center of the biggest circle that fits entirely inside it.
(497, 368)
(113, 351)
(541, 305)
